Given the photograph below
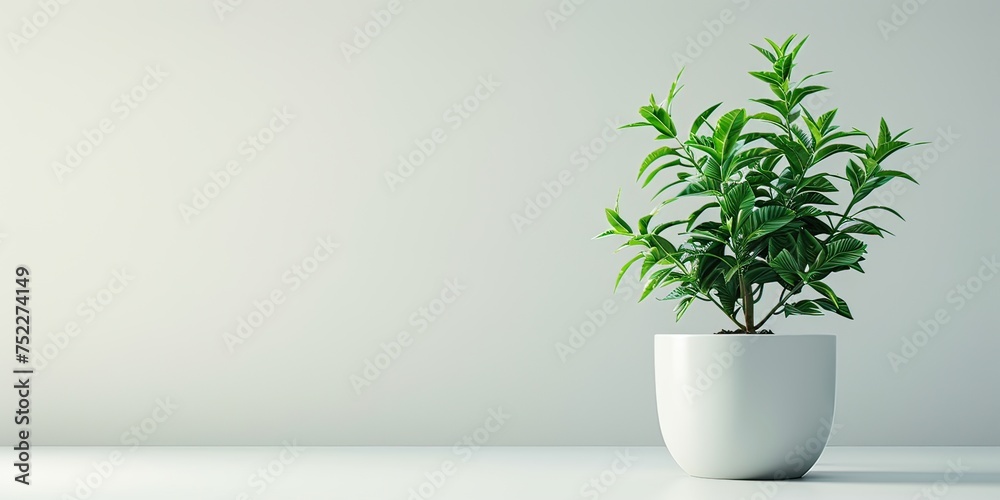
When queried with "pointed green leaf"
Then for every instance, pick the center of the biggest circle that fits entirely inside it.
(658, 117)
(625, 269)
(682, 307)
(840, 253)
(766, 53)
(833, 149)
(655, 155)
(738, 198)
(823, 289)
(895, 173)
(617, 222)
(880, 207)
(786, 267)
(727, 132)
(883, 132)
(803, 307)
(839, 307)
(767, 220)
(864, 227)
(703, 118)
(768, 77)
(659, 169)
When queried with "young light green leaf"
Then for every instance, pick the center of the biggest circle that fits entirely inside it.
(625, 269)
(617, 222)
(658, 118)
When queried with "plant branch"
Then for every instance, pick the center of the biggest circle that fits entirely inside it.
(781, 301)
(717, 304)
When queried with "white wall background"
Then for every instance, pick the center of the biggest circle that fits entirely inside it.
(323, 176)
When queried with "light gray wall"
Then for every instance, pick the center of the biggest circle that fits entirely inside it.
(557, 86)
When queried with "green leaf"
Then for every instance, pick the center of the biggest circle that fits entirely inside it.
(868, 187)
(880, 207)
(823, 289)
(644, 223)
(654, 281)
(705, 235)
(767, 220)
(864, 227)
(813, 75)
(856, 176)
(659, 169)
(807, 247)
(650, 260)
(625, 269)
(802, 92)
(812, 198)
(739, 198)
(788, 41)
(768, 117)
(655, 155)
(766, 53)
(887, 148)
(674, 88)
(883, 132)
(785, 266)
(703, 118)
(814, 128)
(682, 307)
(805, 139)
(839, 307)
(834, 149)
(817, 183)
(778, 106)
(840, 253)
(803, 307)
(727, 132)
(710, 151)
(658, 118)
(661, 243)
(799, 159)
(825, 121)
(760, 275)
(732, 267)
(666, 225)
(777, 48)
(802, 42)
(895, 173)
(838, 135)
(768, 77)
(680, 292)
(697, 213)
(783, 67)
(700, 187)
(617, 222)
(636, 124)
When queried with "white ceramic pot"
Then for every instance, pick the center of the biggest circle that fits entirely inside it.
(745, 406)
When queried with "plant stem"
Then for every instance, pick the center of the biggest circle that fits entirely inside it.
(747, 305)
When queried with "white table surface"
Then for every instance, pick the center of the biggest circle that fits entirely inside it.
(550, 473)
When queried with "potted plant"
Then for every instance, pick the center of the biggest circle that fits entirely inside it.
(786, 195)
